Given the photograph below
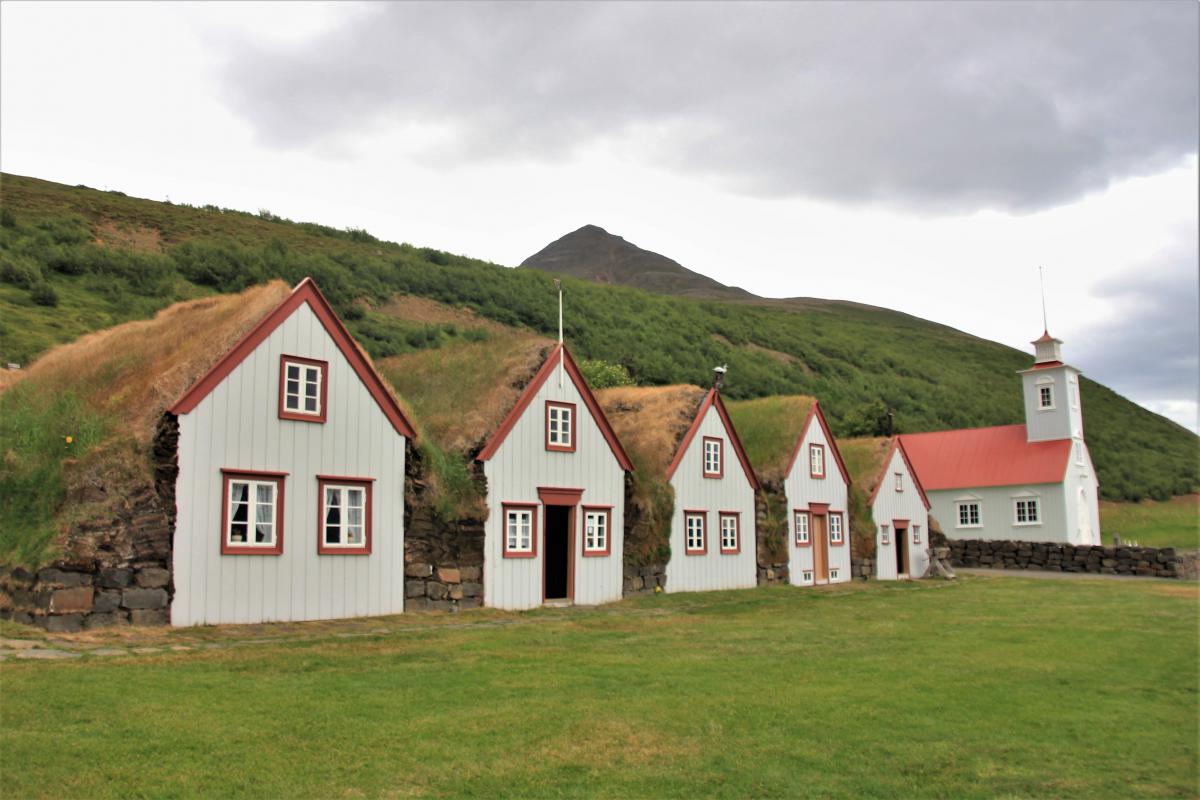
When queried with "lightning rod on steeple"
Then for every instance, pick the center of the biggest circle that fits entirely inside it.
(1042, 283)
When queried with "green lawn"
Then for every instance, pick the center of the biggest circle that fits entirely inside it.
(1174, 523)
(991, 687)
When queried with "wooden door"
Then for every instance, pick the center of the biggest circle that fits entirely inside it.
(820, 534)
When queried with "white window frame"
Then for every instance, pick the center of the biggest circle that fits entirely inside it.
(834, 573)
(1047, 384)
(1030, 502)
(806, 576)
(899, 481)
(596, 533)
(816, 461)
(525, 516)
(800, 522)
(714, 457)
(884, 535)
(960, 505)
(730, 546)
(253, 482)
(837, 533)
(688, 518)
(364, 525)
(303, 382)
(560, 426)
(916, 533)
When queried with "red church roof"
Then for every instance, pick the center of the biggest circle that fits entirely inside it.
(979, 457)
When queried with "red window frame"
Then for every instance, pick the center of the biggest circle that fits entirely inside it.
(230, 549)
(532, 508)
(736, 516)
(607, 512)
(841, 517)
(340, 480)
(811, 473)
(703, 515)
(324, 398)
(807, 527)
(720, 473)
(559, 448)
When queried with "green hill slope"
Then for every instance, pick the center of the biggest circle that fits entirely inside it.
(73, 260)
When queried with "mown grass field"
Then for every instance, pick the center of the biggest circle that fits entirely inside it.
(990, 687)
(1174, 523)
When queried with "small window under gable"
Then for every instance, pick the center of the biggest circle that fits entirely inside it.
(252, 513)
(713, 457)
(560, 426)
(816, 461)
(345, 516)
(303, 388)
(899, 481)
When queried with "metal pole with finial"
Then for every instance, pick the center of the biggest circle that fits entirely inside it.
(561, 356)
(1042, 284)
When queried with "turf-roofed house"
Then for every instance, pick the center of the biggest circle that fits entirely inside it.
(291, 477)
(889, 508)
(711, 536)
(1027, 482)
(792, 448)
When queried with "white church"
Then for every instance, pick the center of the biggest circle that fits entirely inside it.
(1033, 482)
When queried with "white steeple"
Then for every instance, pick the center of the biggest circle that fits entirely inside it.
(1051, 389)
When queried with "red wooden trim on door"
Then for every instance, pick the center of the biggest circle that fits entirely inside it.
(720, 473)
(228, 549)
(532, 508)
(369, 510)
(589, 399)
(607, 551)
(323, 400)
(305, 292)
(570, 558)
(574, 418)
(559, 496)
(737, 521)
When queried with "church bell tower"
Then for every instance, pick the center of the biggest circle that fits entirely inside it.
(1051, 388)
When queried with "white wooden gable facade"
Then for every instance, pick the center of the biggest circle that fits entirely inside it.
(290, 492)
(713, 541)
(817, 488)
(556, 496)
(901, 513)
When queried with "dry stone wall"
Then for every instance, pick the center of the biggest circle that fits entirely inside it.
(1159, 562)
(771, 534)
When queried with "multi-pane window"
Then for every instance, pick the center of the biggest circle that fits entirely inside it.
(836, 533)
(885, 537)
(253, 519)
(729, 533)
(345, 516)
(916, 531)
(968, 515)
(1027, 511)
(802, 539)
(806, 576)
(816, 461)
(596, 525)
(302, 389)
(693, 525)
(712, 457)
(899, 481)
(1046, 396)
(519, 531)
(834, 573)
(560, 426)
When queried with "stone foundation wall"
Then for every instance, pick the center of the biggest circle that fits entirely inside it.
(1160, 562)
(771, 533)
(443, 561)
(644, 579)
(769, 574)
(862, 567)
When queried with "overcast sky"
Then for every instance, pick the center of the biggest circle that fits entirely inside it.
(922, 157)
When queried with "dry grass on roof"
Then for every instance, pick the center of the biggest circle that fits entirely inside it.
(864, 460)
(651, 421)
(460, 392)
(769, 428)
(133, 371)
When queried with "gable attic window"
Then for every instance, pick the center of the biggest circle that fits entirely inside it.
(816, 461)
(694, 532)
(344, 515)
(252, 513)
(303, 388)
(731, 540)
(597, 522)
(520, 531)
(560, 426)
(1027, 511)
(899, 481)
(968, 514)
(713, 457)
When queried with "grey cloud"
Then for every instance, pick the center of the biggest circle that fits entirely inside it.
(1153, 352)
(946, 107)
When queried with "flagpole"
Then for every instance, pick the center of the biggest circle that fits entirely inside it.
(561, 356)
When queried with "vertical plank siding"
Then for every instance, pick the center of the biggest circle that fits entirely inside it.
(237, 427)
(801, 490)
(891, 505)
(732, 492)
(515, 472)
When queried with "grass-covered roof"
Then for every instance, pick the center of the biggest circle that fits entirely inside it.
(651, 421)
(769, 428)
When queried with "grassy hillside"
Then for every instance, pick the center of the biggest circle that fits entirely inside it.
(73, 260)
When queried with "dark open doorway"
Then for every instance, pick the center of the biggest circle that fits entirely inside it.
(558, 553)
(901, 550)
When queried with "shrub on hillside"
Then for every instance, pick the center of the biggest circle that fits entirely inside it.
(19, 270)
(601, 374)
(44, 295)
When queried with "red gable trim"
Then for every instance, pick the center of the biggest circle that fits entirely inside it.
(883, 473)
(589, 400)
(713, 398)
(305, 292)
(816, 412)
